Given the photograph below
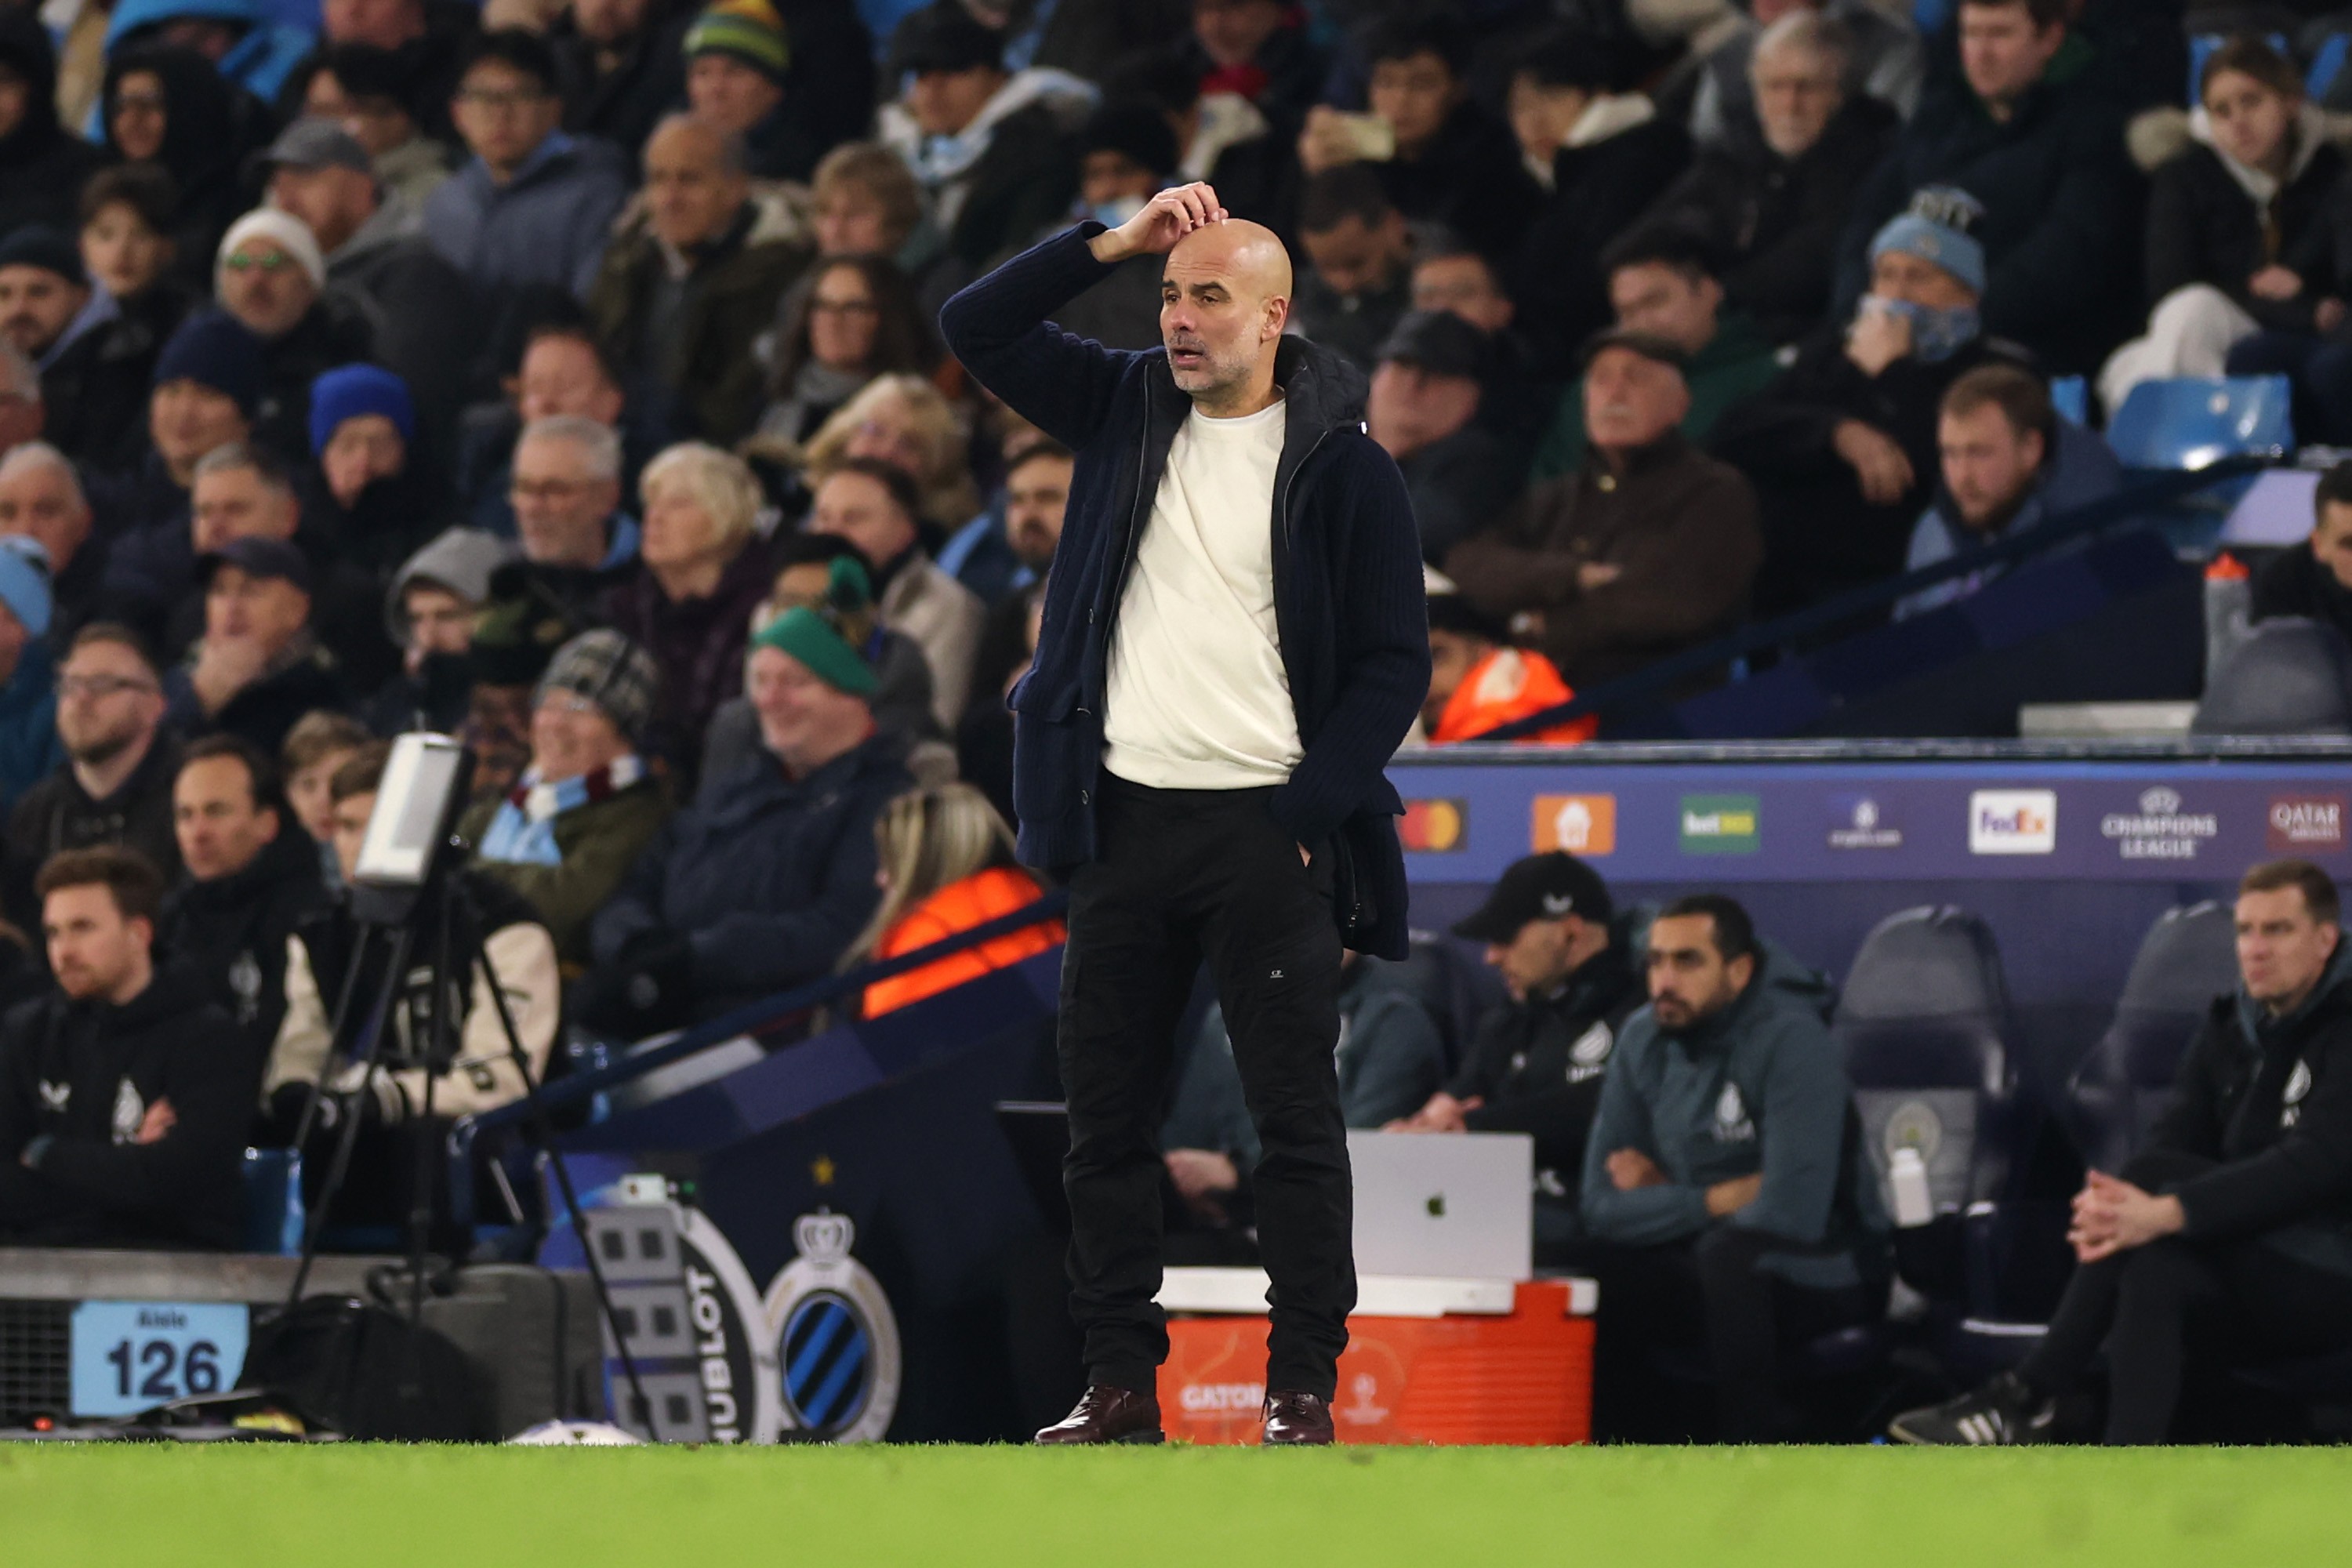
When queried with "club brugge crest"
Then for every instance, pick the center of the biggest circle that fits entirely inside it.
(836, 1343)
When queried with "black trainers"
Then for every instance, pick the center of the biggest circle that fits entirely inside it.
(2002, 1413)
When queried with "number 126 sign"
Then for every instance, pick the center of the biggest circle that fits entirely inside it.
(130, 1356)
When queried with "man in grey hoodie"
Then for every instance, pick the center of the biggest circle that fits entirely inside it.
(1725, 1180)
(429, 613)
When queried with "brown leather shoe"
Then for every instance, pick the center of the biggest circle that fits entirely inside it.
(1295, 1418)
(1107, 1414)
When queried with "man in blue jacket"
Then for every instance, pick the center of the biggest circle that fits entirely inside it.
(1724, 1176)
(1234, 644)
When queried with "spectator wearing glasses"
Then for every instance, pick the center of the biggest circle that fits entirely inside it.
(116, 785)
(270, 277)
(578, 544)
(533, 204)
(849, 319)
(1770, 195)
(379, 265)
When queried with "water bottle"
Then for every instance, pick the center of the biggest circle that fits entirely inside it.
(1906, 1174)
(2229, 609)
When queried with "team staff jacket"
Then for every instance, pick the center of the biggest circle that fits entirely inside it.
(1348, 605)
(1759, 1088)
(77, 1082)
(1539, 1064)
(2269, 1102)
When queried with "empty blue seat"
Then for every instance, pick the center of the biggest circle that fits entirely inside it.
(2188, 958)
(2188, 422)
(2289, 677)
(274, 1215)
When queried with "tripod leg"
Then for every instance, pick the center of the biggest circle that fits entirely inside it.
(545, 1133)
(381, 1017)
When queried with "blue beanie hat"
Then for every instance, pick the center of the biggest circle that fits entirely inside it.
(215, 350)
(25, 583)
(349, 391)
(1935, 230)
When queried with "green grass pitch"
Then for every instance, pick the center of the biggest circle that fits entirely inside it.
(1460, 1507)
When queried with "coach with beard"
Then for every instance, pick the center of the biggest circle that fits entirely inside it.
(1234, 644)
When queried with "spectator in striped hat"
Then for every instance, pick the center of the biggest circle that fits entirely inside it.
(574, 824)
(735, 56)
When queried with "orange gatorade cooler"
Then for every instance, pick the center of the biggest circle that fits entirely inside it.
(1524, 1376)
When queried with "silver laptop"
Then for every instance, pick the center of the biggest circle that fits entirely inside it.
(1453, 1206)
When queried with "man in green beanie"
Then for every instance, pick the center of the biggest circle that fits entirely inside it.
(763, 882)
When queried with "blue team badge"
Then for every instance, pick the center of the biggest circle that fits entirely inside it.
(836, 1340)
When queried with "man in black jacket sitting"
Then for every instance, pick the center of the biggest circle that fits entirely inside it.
(123, 1094)
(2314, 579)
(1536, 1063)
(2229, 1235)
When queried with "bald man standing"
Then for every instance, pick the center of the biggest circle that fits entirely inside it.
(1233, 644)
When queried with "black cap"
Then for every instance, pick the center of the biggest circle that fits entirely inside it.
(1649, 345)
(38, 245)
(1541, 888)
(257, 557)
(943, 36)
(1437, 341)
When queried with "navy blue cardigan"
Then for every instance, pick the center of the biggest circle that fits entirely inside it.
(1349, 605)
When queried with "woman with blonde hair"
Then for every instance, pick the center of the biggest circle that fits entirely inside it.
(702, 570)
(907, 423)
(946, 866)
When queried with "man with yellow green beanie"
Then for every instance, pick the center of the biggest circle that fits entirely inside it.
(736, 55)
(763, 882)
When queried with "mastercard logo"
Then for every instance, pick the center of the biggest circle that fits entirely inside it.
(1432, 826)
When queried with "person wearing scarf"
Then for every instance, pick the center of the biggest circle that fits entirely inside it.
(568, 831)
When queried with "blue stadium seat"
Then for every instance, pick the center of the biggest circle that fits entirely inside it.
(273, 1201)
(2202, 45)
(2188, 958)
(2071, 396)
(2290, 677)
(2328, 62)
(2188, 422)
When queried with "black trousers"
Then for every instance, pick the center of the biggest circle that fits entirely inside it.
(1710, 1293)
(2160, 1308)
(1180, 876)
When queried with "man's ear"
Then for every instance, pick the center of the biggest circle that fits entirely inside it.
(1277, 317)
(2038, 445)
(1740, 971)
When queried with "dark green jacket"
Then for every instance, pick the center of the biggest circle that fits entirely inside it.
(599, 841)
(1758, 1088)
(1736, 363)
(716, 385)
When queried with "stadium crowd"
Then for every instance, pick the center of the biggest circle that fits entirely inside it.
(567, 376)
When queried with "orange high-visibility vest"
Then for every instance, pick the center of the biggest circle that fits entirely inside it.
(1510, 683)
(960, 906)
